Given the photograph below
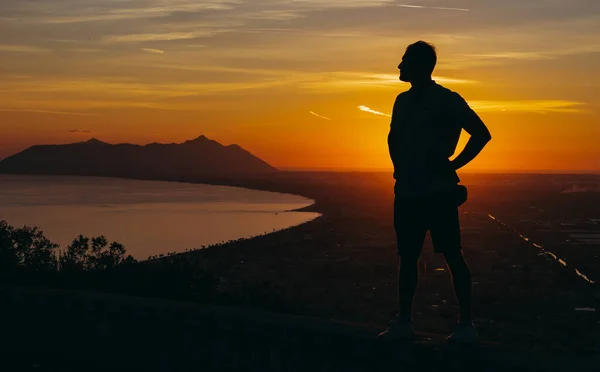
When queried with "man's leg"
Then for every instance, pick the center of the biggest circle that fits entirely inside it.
(410, 235)
(461, 281)
(408, 280)
(445, 233)
(408, 277)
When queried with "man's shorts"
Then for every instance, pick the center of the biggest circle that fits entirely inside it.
(414, 216)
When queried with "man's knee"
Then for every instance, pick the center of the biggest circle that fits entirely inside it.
(454, 255)
(409, 258)
(409, 262)
(456, 261)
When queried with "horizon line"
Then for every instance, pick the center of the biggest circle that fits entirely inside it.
(470, 171)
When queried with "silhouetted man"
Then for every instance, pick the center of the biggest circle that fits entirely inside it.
(426, 124)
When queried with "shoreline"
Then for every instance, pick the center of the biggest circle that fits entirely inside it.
(306, 205)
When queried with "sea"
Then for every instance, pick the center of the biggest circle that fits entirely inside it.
(149, 217)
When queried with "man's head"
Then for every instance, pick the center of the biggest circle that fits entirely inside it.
(418, 62)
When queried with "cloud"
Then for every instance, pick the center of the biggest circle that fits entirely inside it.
(141, 12)
(80, 131)
(167, 36)
(527, 56)
(285, 45)
(533, 106)
(45, 112)
(275, 15)
(84, 50)
(55, 95)
(367, 109)
(378, 79)
(432, 7)
(539, 41)
(326, 4)
(319, 116)
(497, 58)
(359, 81)
(154, 51)
(22, 49)
(15, 77)
(453, 81)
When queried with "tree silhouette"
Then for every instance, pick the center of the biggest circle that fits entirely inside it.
(99, 255)
(26, 252)
(28, 257)
(26, 249)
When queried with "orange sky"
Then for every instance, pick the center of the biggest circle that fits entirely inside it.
(285, 79)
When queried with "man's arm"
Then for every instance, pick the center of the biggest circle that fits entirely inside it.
(393, 136)
(392, 146)
(472, 124)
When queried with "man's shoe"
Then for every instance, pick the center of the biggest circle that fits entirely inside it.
(464, 334)
(398, 331)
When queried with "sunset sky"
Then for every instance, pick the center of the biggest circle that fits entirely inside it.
(300, 83)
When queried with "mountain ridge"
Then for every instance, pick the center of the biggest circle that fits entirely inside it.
(198, 157)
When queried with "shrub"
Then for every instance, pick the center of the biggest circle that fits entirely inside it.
(26, 249)
(99, 255)
(28, 257)
(26, 254)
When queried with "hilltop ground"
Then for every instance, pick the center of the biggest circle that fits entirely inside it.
(344, 264)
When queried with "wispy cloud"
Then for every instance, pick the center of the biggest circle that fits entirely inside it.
(357, 80)
(80, 131)
(533, 106)
(324, 4)
(84, 50)
(319, 116)
(370, 110)
(432, 7)
(533, 55)
(136, 38)
(149, 11)
(154, 51)
(47, 95)
(15, 77)
(512, 55)
(453, 81)
(45, 112)
(394, 79)
(275, 15)
(22, 49)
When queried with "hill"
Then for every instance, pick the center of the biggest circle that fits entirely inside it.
(200, 157)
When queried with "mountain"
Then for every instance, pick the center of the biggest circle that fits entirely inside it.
(200, 157)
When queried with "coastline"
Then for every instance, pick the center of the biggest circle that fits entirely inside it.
(254, 212)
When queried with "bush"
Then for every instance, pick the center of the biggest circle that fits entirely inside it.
(26, 249)
(81, 256)
(26, 252)
(28, 257)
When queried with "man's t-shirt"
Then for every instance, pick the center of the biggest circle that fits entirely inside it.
(425, 129)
